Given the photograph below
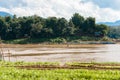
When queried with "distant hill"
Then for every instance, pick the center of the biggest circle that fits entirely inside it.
(116, 23)
(3, 14)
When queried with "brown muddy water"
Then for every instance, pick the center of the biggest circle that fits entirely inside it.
(92, 53)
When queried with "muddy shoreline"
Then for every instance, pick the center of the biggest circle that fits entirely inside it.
(62, 53)
(48, 45)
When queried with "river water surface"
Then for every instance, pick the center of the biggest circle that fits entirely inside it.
(93, 53)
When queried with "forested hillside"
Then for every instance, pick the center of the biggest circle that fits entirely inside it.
(51, 27)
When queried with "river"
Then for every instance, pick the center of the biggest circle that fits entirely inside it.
(93, 53)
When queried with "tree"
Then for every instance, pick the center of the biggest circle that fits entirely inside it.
(38, 27)
(60, 30)
(46, 33)
(77, 20)
(3, 28)
(51, 24)
(70, 30)
(14, 30)
(26, 26)
(114, 32)
(36, 30)
(101, 30)
(89, 27)
(7, 19)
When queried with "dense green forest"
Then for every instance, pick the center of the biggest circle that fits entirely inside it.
(114, 32)
(51, 27)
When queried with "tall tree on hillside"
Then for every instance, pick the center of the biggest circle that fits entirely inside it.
(14, 30)
(77, 20)
(62, 24)
(26, 26)
(36, 30)
(89, 26)
(70, 30)
(51, 24)
(3, 28)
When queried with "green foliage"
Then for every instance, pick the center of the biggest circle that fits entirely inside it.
(85, 38)
(51, 27)
(8, 72)
(89, 27)
(77, 20)
(102, 30)
(105, 39)
(58, 40)
(36, 30)
(17, 74)
(114, 32)
(21, 63)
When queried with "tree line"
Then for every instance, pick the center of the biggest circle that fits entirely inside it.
(114, 32)
(39, 27)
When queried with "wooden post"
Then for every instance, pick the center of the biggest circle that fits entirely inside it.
(67, 45)
(9, 54)
(2, 54)
(1, 50)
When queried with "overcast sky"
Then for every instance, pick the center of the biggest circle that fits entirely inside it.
(102, 10)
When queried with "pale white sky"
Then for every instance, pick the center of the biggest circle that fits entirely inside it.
(102, 10)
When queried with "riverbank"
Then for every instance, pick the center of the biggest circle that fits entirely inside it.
(59, 40)
(50, 45)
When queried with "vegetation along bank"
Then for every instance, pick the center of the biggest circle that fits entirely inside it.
(36, 29)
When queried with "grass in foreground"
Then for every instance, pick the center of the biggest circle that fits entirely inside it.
(60, 74)
(14, 73)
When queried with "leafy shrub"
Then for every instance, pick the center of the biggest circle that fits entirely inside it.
(105, 39)
(58, 40)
